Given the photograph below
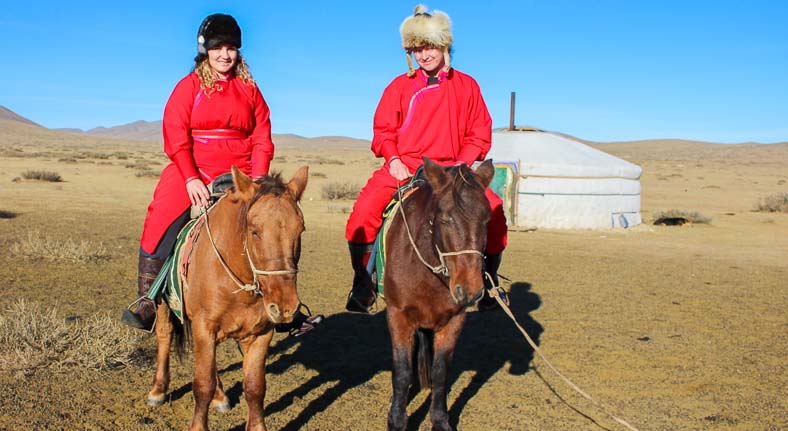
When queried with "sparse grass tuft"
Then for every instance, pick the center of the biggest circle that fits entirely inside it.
(339, 209)
(776, 203)
(138, 164)
(32, 338)
(318, 175)
(67, 160)
(50, 176)
(148, 173)
(690, 216)
(37, 246)
(95, 155)
(334, 191)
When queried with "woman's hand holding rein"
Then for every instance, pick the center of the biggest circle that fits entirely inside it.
(198, 193)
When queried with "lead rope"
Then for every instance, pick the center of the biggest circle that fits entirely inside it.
(496, 294)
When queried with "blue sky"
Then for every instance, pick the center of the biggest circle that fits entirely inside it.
(600, 70)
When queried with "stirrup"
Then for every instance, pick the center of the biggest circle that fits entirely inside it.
(353, 305)
(131, 318)
(302, 323)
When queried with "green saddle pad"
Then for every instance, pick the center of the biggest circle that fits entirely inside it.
(378, 262)
(168, 282)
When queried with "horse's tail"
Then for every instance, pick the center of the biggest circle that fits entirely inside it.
(182, 334)
(423, 360)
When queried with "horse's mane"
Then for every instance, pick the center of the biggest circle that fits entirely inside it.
(463, 180)
(269, 184)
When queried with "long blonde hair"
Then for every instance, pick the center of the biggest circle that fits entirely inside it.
(208, 79)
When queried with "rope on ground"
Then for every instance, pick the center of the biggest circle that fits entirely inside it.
(508, 311)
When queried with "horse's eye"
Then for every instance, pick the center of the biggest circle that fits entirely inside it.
(255, 234)
(446, 219)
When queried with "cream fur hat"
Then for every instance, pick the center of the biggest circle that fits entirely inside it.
(426, 29)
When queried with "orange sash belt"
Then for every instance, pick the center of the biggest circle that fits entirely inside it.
(219, 134)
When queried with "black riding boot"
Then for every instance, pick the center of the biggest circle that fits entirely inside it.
(363, 294)
(491, 264)
(144, 316)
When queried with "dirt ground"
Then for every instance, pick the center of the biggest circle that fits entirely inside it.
(671, 328)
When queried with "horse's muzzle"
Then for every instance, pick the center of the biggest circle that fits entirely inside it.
(276, 315)
(462, 298)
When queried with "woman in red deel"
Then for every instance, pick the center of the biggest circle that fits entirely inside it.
(437, 112)
(215, 118)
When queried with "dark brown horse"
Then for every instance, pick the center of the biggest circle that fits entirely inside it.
(433, 272)
(241, 282)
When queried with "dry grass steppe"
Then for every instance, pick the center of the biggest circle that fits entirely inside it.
(672, 328)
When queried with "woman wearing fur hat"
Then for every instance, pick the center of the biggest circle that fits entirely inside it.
(215, 118)
(437, 112)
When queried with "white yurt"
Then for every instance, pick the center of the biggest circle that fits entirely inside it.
(548, 180)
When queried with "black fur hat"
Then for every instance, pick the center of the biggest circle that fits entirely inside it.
(217, 30)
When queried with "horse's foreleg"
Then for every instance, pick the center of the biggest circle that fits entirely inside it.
(220, 402)
(402, 333)
(445, 341)
(161, 380)
(204, 384)
(255, 352)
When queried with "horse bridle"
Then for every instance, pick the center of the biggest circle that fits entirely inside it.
(441, 269)
(254, 287)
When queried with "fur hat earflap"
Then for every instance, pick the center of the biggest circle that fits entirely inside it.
(217, 30)
(426, 29)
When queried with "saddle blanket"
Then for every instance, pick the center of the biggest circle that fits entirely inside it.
(171, 280)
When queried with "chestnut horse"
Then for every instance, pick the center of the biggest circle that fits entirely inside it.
(241, 282)
(434, 260)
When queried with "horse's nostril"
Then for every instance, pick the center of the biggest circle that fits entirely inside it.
(459, 293)
(273, 310)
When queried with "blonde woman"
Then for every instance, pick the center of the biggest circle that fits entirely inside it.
(215, 118)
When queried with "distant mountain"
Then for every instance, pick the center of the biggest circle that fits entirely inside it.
(68, 129)
(7, 114)
(136, 131)
(151, 131)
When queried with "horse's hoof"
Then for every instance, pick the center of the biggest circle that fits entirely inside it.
(155, 400)
(441, 426)
(221, 406)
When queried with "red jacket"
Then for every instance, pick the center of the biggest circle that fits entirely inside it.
(448, 122)
(231, 105)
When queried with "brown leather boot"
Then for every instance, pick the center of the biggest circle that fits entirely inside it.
(487, 303)
(363, 294)
(144, 316)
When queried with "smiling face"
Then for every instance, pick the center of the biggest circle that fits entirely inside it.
(430, 59)
(222, 59)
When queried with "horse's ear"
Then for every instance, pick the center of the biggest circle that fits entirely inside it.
(244, 186)
(486, 172)
(435, 174)
(297, 184)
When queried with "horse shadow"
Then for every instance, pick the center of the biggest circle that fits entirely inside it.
(348, 350)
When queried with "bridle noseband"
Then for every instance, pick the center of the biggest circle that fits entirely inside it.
(254, 287)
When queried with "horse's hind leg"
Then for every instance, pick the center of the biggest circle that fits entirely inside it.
(255, 352)
(161, 380)
(402, 333)
(445, 341)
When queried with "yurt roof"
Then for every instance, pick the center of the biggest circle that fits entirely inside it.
(548, 154)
